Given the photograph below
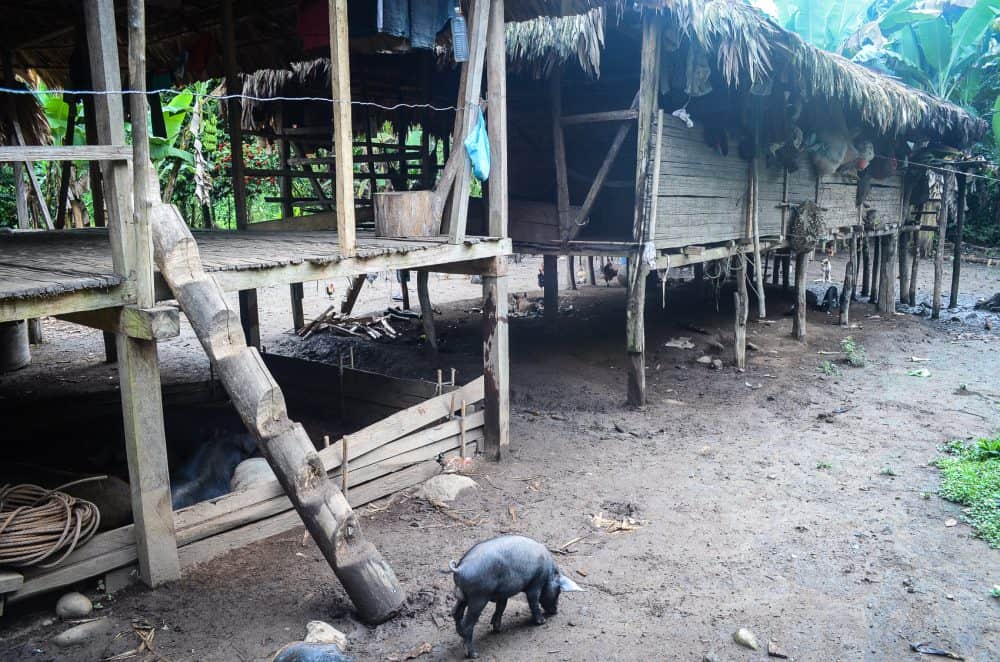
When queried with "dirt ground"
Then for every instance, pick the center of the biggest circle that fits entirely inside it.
(798, 505)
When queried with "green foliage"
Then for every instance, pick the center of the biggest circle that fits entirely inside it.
(830, 369)
(970, 476)
(824, 465)
(854, 353)
(827, 24)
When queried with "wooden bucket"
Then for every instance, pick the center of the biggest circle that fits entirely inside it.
(14, 350)
(405, 214)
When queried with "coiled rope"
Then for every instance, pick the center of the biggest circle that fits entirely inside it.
(36, 524)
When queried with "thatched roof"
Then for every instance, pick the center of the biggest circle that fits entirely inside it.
(42, 34)
(750, 48)
(30, 118)
(537, 46)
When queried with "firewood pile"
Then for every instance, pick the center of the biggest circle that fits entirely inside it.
(389, 325)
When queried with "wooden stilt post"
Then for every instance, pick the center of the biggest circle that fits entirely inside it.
(571, 271)
(67, 166)
(849, 274)
(942, 230)
(235, 109)
(131, 249)
(590, 271)
(903, 255)
(786, 267)
(887, 275)
(404, 287)
(250, 317)
(876, 269)
(956, 264)
(865, 265)
(754, 216)
(352, 294)
(550, 264)
(496, 97)
(298, 314)
(559, 155)
(914, 267)
(801, 278)
(426, 310)
(776, 269)
(635, 327)
(741, 309)
(96, 183)
(496, 361)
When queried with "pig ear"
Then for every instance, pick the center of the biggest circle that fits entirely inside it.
(568, 585)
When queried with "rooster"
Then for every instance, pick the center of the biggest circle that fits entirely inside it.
(609, 271)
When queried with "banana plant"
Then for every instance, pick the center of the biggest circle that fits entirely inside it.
(826, 24)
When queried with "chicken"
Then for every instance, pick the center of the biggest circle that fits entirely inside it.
(609, 271)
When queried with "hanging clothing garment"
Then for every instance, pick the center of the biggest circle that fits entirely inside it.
(417, 21)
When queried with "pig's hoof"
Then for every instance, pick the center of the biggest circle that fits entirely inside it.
(472, 654)
(539, 620)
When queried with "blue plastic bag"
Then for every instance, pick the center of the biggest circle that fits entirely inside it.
(477, 146)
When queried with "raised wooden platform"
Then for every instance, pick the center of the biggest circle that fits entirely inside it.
(52, 273)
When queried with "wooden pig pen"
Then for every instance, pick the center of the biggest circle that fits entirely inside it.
(692, 131)
(117, 279)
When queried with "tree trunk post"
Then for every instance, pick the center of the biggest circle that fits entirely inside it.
(496, 361)
(956, 265)
(550, 278)
(942, 231)
(876, 253)
(799, 321)
(741, 301)
(845, 294)
(250, 317)
(426, 310)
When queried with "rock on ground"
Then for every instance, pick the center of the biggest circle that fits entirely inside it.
(444, 488)
(82, 633)
(73, 605)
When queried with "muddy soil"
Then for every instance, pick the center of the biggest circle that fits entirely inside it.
(798, 505)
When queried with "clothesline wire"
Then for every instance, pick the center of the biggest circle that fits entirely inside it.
(369, 104)
(227, 97)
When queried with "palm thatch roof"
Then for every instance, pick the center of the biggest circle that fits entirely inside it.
(537, 46)
(30, 117)
(751, 49)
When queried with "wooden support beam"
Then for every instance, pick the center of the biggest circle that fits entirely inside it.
(571, 271)
(250, 317)
(340, 71)
(235, 112)
(865, 266)
(592, 276)
(876, 252)
(627, 115)
(20, 196)
(352, 293)
(128, 201)
(496, 97)
(471, 84)
(944, 211)
(649, 75)
(602, 175)
(956, 263)
(887, 275)
(67, 166)
(559, 155)
(903, 254)
(298, 315)
(754, 215)
(741, 310)
(61, 153)
(404, 287)
(426, 310)
(95, 172)
(845, 293)
(35, 334)
(155, 323)
(496, 365)
(801, 279)
(914, 269)
(550, 280)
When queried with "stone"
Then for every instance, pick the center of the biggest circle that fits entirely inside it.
(774, 650)
(301, 651)
(705, 359)
(444, 488)
(251, 471)
(745, 637)
(717, 364)
(318, 632)
(73, 605)
(80, 634)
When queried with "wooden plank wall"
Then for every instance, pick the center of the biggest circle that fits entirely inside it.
(701, 194)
